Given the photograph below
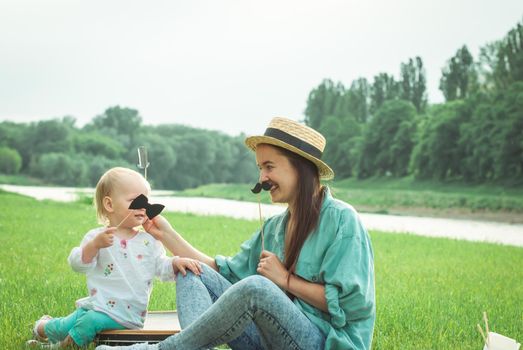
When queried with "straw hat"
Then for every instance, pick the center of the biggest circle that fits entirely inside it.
(297, 138)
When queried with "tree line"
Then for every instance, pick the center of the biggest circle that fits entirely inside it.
(58, 152)
(383, 127)
(387, 128)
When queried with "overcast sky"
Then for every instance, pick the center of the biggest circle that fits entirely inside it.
(227, 65)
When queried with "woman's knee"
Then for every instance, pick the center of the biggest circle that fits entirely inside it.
(257, 281)
(186, 285)
(189, 275)
(258, 286)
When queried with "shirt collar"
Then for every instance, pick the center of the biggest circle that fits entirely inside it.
(327, 197)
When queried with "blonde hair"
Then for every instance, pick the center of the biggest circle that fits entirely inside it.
(105, 187)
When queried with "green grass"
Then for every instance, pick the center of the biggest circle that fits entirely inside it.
(410, 193)
(239, 192)
(396, 195)
(21, 180)
(430, 292)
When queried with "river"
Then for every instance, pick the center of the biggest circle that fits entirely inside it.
(482, 231)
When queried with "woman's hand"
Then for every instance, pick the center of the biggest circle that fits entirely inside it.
(157, 227)
(183, 264)
(271, 267)
(160, 229)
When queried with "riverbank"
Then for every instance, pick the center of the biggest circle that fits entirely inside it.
(507, 217)
(481, 231)
(404, 197)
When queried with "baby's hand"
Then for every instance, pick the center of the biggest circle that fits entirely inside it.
(105, 238)
(181, 264)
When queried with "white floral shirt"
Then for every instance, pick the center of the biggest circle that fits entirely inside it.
(120, 277)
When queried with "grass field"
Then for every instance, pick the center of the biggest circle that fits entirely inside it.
(430, 292)
(21, 180)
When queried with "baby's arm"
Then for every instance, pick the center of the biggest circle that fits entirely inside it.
(102, 240)
(182, 264)
(82, 258)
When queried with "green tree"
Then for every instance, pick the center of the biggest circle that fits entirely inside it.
(97, 144)
(437, 153)
(491, 138)
(384, 88)
(122, 121)
(322, 102)
(17, 136)
(413, 84)
(509, 67)
(340, 144)
(48, 136)
(243, 168)
(10, 161)
(459, 75)
(60, 168)
(501, 62)
(388, 140)
(508, 156)
(96, 165)
(162, 159)
(358, 100)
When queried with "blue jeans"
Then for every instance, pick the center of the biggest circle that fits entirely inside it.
(82, 325)
(250, 314)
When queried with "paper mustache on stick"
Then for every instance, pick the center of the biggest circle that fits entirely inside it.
(151, 210)
(141, 202)
(495, 341)
(265, 185)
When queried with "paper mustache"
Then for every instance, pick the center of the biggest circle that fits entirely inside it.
(151, 210)
(265, 185)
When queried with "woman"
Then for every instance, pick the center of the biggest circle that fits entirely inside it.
(313, 285)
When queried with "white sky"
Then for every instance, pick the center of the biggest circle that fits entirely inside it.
(227, 65)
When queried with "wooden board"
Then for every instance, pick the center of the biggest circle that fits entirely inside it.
(158, 326)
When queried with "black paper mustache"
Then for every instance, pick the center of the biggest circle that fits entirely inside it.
(151, 210)
(265, 185)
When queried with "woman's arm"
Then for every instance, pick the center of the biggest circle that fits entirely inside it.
(160, 228)
(312, 293)
(271, 267)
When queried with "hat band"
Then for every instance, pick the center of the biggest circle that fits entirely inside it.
(293, 141)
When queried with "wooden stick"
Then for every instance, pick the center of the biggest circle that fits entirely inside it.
(124, 219)
(482, 334)
(486, 324)
(261, 222)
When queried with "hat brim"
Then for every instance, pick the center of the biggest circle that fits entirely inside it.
(325, 172)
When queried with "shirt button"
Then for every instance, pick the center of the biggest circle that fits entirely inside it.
(314, 278)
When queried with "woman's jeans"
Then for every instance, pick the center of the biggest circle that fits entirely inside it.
(250, 314)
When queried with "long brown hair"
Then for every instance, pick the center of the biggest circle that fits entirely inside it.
(305, 214)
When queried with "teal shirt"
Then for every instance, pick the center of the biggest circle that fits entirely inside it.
(338, 254)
